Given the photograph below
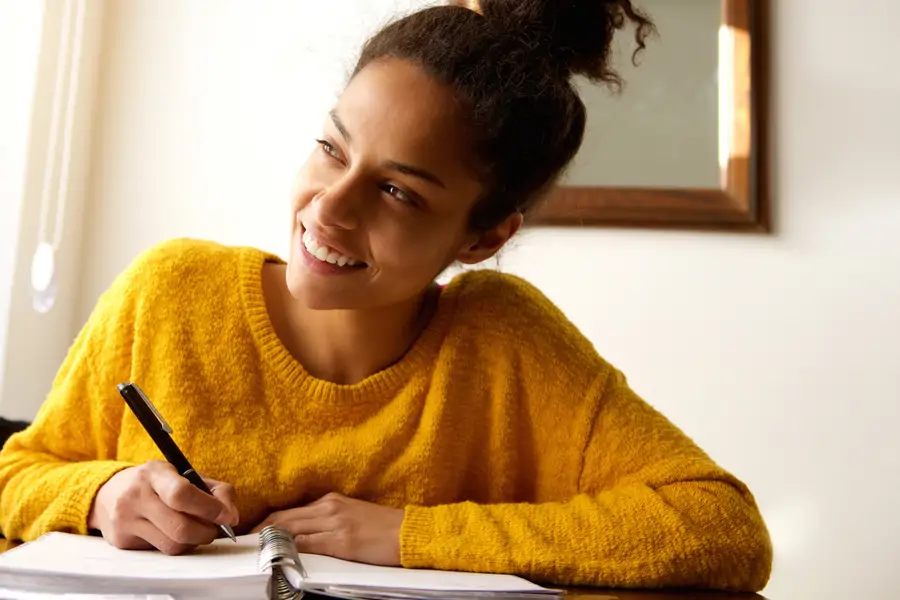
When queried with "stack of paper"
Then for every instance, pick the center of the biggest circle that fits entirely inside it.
(64, 563)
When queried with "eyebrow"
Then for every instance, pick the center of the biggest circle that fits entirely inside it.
(415, 172)
(340, 125)
(391, 164)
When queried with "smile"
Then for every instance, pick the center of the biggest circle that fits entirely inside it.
(325, 254)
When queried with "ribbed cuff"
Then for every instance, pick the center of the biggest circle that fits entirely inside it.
(73, 515)
(416, 535)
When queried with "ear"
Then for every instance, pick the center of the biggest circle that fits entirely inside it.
(484, 244)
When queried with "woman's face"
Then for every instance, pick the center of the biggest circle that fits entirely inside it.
(380, 207)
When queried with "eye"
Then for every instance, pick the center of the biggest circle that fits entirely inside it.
(329, 149)
(401, 195)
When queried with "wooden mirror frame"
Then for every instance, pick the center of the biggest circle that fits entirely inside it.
(742, 203)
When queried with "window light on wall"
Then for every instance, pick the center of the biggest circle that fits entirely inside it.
(44, 267)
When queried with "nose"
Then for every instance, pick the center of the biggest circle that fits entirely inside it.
(339, 205)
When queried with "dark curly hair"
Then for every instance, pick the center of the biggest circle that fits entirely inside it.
(511, 66)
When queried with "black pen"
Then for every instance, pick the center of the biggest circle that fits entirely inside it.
(159, 431)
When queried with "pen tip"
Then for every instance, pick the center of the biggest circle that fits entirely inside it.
(229, 532)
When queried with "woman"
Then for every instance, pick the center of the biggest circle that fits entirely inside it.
(347, 397)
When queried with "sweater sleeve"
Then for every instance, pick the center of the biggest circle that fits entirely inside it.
(51, 471)
(652, 511)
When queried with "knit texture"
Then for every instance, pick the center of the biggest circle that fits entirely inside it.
(511, 444)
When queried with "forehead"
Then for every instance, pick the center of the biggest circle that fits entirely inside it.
(396, 105)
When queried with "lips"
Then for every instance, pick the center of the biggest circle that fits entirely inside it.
(325, 251)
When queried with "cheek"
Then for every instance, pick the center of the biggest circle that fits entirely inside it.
(417, 249)
(305, 187)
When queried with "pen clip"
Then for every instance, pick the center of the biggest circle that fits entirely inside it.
(162, 422)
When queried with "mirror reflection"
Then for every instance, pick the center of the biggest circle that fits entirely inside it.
(662, 128)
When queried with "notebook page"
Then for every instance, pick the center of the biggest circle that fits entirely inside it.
(6, 594)
(323, 571)
(69, 554)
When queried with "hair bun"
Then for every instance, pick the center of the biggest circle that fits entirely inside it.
(574, 35)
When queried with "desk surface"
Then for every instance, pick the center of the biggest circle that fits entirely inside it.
(591, 594)
(594, 594)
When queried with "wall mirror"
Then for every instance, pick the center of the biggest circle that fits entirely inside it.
(683, 145)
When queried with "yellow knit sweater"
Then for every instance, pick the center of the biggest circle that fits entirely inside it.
(511, 444)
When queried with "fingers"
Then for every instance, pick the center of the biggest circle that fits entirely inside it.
(286, 518)
(126, 541)
(317, 528)
(226, 495)
(344, 528)
(179, 494)
(180, 529)
(325, 543)
(327, 506)
(144, 535)
(268, 521)
(276, 518)
(152, 504)
(310, 526)
(155, 537)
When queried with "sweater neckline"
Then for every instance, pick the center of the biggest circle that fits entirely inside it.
(420, 357)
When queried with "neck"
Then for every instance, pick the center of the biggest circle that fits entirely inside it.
(345, 346)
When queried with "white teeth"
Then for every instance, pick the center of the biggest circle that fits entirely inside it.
(310, 244)
(326, 254)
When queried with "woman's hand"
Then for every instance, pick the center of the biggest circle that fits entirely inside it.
(152, 506)
(344, 528)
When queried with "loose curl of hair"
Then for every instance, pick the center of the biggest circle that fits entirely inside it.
(511, 66)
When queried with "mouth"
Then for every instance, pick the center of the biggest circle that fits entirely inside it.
(328, 255)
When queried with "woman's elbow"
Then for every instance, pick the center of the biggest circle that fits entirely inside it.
(749, 559)
(728, 545)
(740, 540)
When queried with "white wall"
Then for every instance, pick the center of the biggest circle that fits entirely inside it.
(777, 353)
(209, 107)
(37, 343)
(20, 42)
(665, 120)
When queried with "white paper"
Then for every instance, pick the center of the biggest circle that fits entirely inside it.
(22, 595)
(60, 562)
(325, 571)
(68, 554)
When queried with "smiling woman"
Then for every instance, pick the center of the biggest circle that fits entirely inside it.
(391, 201)
(374, 414)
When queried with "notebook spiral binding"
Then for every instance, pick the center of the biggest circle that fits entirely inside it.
(276, 550)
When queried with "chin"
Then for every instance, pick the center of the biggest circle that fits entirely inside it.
(316, 294)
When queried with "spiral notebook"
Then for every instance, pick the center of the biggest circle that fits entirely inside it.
(259, 567)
